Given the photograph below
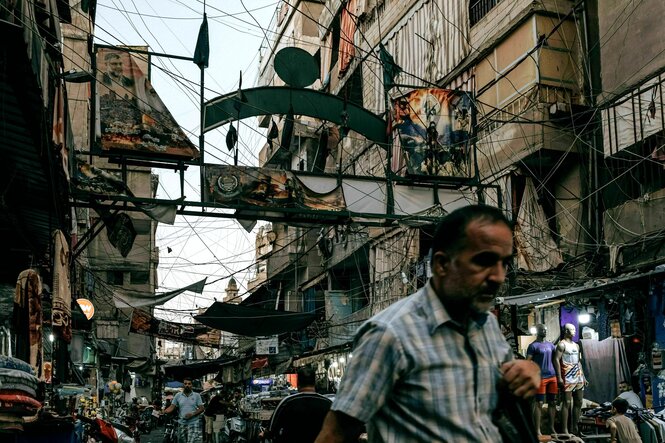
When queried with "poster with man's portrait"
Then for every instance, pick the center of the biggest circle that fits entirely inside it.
(432, 128)
(132, 118)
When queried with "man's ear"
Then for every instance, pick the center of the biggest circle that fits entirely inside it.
(440, 262)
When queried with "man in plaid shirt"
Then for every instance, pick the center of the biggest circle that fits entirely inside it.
(427, 368)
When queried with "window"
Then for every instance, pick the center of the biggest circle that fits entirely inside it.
(139, 277)
(479, 9)
(116, 278)
(142, 227)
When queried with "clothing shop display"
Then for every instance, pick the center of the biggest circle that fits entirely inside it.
(605, 366)
(27, 319)
(18, 395)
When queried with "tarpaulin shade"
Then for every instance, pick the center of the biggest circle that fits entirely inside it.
(253, 322)
(195, 370)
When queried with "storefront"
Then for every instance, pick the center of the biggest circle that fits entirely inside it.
(619, 329)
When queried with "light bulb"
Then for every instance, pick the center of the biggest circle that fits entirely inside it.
(341, 360)
(51, 338)
(533, 330)
(583, 318)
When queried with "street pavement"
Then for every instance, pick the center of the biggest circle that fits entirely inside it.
(155, 436)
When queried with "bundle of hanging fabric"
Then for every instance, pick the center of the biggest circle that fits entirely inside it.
(18, 393)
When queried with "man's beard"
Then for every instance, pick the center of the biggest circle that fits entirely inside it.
(187, 390)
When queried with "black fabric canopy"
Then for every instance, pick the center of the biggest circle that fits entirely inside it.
(253, 322)
(198, 369)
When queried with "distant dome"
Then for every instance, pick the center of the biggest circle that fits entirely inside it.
(232, 284)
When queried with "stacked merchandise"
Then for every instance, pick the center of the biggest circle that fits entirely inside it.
(18, 394)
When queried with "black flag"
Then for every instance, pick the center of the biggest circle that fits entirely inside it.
(390, 68)
(202, 51)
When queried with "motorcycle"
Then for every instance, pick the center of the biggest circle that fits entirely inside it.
(234, 430)
(146, 421)
(98, 430)
(170, 431)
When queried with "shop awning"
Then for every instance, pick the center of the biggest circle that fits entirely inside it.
(198, 369)
(253, 322)
(592, 285)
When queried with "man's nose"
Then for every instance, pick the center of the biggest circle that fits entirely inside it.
(498, 273)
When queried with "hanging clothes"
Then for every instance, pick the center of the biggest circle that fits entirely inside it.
(656, 307)
(61, 315)
(347, 48)
(27, 319)
(604, 364)
(603, 321)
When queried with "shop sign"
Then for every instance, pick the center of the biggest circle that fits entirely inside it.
(267, 345)
(87, 307)
(262, 381)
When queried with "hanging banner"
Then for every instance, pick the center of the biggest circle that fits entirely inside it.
(433, 127)
(322, 198)
(194, 333)
(132, 117)
(270, 188)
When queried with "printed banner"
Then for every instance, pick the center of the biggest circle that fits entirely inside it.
(198, 334)
(433, 127)
(268, 188)
(132, 117)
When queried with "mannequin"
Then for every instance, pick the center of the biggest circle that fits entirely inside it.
(541, 352)
(568, 366)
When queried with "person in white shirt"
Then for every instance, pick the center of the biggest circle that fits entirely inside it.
(626, 392)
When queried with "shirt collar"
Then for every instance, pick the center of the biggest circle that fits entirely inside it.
(438, 315)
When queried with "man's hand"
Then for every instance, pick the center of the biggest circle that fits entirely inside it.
(522, 377)
(189, 415)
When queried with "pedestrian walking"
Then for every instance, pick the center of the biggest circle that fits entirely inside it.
(429, 367)
(190, 406)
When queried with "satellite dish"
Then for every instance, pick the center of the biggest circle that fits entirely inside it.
(296, 67)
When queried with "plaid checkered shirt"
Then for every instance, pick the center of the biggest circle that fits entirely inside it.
(418, 376)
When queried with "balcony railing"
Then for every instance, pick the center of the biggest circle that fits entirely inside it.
(479, 9)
